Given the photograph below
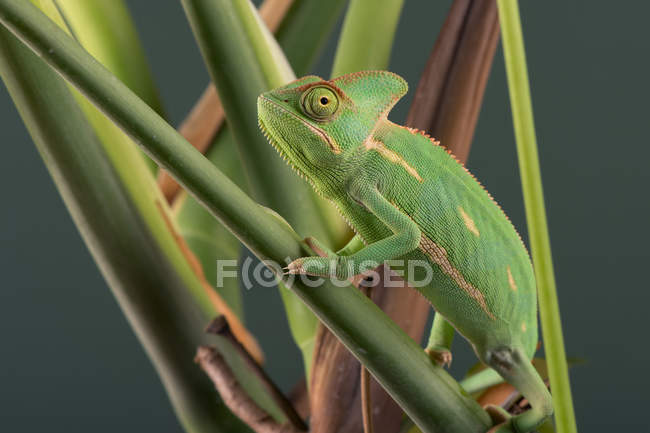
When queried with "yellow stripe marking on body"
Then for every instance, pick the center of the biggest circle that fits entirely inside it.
(511, 280)
(392, 156)
(439, 256)
(523, 327)
(469, 222)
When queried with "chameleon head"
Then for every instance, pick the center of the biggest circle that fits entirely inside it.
(317, 124)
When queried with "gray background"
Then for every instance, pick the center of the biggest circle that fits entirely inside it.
(69, 362)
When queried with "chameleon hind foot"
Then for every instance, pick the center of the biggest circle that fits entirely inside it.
(440, 339)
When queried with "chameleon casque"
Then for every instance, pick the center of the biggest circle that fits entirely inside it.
(406, 197)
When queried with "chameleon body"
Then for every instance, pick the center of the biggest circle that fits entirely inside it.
(408, 198)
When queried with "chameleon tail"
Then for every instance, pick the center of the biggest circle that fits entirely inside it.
(517, 369)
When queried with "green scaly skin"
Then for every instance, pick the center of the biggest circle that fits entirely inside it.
(408, 198)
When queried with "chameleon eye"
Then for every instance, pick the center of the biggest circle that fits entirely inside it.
(319, 103)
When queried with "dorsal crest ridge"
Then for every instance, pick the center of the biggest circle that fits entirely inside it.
(436, 143)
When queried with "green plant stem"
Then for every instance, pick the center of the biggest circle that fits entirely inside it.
(522, 115)
(427, 394)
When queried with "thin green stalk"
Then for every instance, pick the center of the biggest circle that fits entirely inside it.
(354, 53)
(522, 115)
(302, 36)
(427, 393)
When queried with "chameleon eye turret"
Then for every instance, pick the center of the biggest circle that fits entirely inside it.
(319, 103)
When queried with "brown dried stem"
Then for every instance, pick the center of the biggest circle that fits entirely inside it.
(220, 326)
(447, 102)
(366, 394)
(299, 398)
(206, 117)
(234, 395)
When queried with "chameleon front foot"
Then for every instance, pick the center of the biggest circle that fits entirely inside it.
(333, 266)
(294, 268)
(440, 339)
(316, 266)
(343, 264)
